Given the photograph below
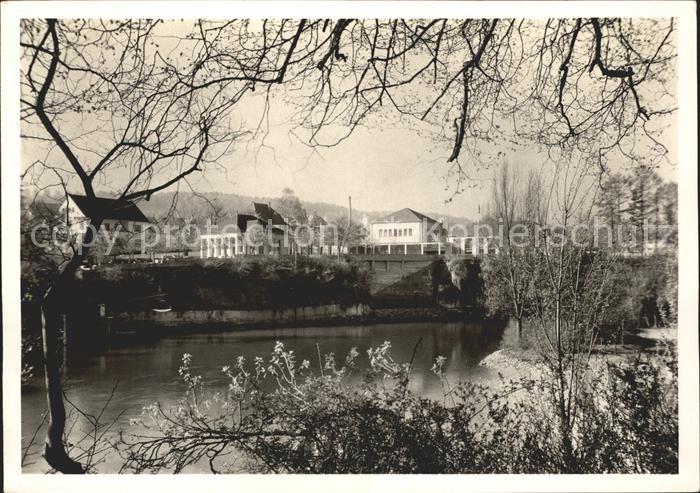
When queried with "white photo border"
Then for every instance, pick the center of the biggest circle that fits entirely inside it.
(689, 418)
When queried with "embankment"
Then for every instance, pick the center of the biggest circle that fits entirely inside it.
(254, 291)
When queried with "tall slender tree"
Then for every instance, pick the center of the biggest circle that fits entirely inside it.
(509, 277)
(611, 203)
(644, 203)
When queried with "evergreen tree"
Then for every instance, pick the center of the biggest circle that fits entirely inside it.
(643, 206)
(611, 203)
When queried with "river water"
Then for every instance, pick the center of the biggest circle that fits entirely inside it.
(145, 371)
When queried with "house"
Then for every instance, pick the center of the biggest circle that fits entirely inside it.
(406, 231)
(262, 231)
(78, 209)
(265, 231)
(322, 241)
(123, 218)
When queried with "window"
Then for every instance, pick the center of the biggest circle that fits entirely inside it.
(395, 233)
(410, 231)
(400, 232)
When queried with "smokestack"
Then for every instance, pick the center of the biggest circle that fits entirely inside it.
(349, 221)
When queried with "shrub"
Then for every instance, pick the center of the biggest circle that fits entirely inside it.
(645, 291)
(285, 417)
(238, 283)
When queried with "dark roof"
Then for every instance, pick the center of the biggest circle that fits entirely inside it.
(108, 208)
(405, 216)
(316, 220)
(242, 221)
(266, 213)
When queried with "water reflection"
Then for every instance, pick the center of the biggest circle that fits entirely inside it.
(146, 370)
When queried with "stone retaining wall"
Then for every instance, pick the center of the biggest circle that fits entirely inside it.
(240, 317)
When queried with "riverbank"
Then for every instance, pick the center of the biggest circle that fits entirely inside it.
(515, 363)
(240, 320)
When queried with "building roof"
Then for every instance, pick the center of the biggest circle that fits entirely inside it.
(405, 216)
(266, 213)
(108, 208)
(242, 221)
(316, 220)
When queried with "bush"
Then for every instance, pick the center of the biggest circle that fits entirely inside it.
(239, 283)
(627, 422)
(645, 292)
(284, 417)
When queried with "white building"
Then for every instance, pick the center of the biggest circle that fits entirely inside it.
(406, 231)
(221, 245)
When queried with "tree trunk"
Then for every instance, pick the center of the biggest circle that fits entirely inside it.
(567, 448)
(520, 327)
(54, 450)
(52, 309)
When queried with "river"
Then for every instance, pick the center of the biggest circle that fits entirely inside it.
(145, 371)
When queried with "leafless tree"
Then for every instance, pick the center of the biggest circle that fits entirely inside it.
(121, 112)
(591, 85)
(573, 286)
(510, 271)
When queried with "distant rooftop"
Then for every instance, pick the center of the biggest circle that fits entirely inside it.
(266, 213)
(108, 208)
(406, 215)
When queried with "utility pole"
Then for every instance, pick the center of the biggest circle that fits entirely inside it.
(349, 221)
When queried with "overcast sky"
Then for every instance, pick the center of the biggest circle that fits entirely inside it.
(386, 165)
(383, 168)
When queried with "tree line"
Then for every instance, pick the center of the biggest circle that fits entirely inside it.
(642, 199)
